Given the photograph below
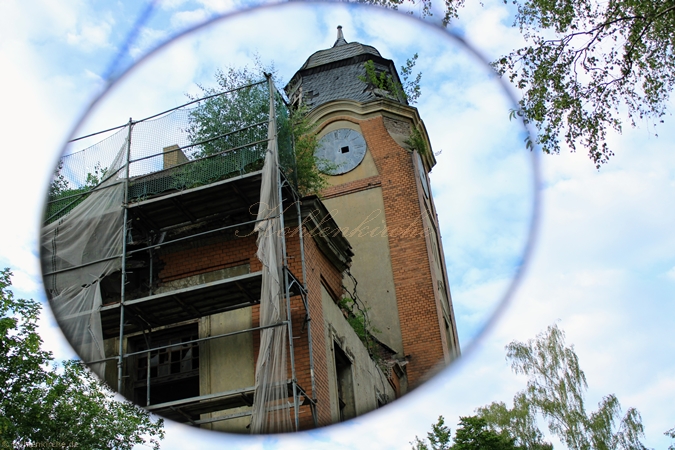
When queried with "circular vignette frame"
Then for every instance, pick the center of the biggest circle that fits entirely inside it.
(113, 74)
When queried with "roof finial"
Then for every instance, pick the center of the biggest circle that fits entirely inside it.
(340, 37)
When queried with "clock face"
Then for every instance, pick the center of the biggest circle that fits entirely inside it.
(340, 151)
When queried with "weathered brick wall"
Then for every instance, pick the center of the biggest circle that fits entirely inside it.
(318, 267)
(207, 255)
(417, 306)
(214, 253)
(352, 186)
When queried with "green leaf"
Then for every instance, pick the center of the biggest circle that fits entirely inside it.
(40, 403)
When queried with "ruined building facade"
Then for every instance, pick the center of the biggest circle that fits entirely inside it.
(382, 201)
(156, 280)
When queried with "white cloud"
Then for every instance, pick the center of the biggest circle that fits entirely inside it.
(171, 4)
(185, 19)
(488, 27)
(605, 245)
(24, 282)
(148, 38)
(219, 6)
(671, 273)
(90, 37)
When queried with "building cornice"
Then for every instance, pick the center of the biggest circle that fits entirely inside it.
(356, 112)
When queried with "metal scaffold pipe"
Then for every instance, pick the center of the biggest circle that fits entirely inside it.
(120, 363)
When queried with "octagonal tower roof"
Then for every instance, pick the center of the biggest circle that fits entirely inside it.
(337, 73)
(340, 50)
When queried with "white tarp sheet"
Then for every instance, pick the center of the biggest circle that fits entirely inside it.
(271, 408)
(91, 232)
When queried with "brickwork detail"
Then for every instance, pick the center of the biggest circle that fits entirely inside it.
(209, 255)
(351, 187)
(417, 304)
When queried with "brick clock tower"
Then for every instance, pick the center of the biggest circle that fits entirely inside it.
(375, 150)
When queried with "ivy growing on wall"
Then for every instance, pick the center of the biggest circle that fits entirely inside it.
(416, 142)
(409, 89)
(357, 318)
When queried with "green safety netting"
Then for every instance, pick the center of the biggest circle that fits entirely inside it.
(203, 141)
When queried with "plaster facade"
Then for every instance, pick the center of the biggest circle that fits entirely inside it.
(385, 207)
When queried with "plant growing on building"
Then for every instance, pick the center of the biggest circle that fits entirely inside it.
(416, 142)
(409, 89)
(95, 177)
(217, 123)
(41, 404)
(411, 86)
(357, 317)
(228, 121)
(59, 182)
(60, 186)
(309, 179)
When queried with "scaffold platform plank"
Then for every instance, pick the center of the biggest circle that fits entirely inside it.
(187, 303)
(190, 205)
(183, 304)
(190, 409)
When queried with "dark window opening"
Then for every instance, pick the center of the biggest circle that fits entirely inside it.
(344, 149)
(449, 335)
(345, 384)
(381, 401)
(174, 371)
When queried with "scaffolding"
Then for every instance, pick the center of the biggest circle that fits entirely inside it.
(114, 205)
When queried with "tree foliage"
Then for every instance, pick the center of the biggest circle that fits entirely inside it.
(586, 62)
(556, 390)
(671, 433)
(43, 405)
(588, 66)
(408, 89)
(473, 433)
(517, 422)
(450, 8)
(438, 438)
(216, 124)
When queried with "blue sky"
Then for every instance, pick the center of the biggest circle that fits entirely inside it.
(603, 267)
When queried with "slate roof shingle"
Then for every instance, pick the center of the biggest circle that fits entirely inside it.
(338, 83)
(333, 73)
(337, 53)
